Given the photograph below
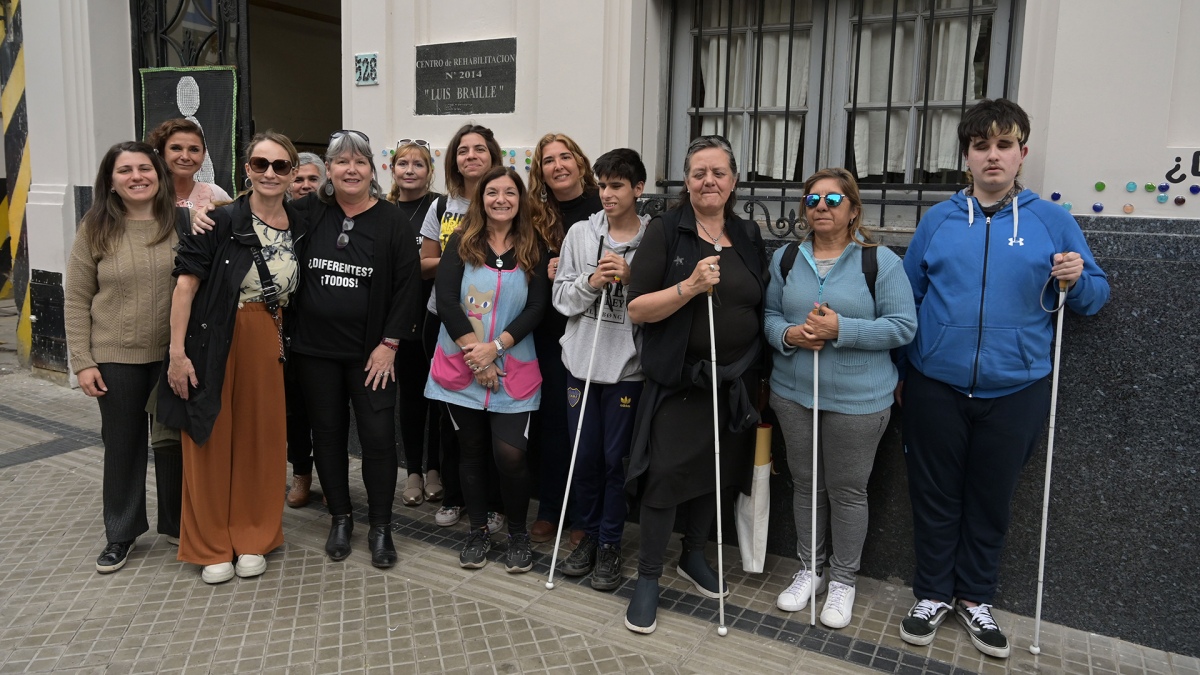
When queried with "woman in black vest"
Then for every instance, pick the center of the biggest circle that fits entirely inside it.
(697, 246)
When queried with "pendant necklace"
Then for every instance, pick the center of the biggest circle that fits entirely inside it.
(715, 239)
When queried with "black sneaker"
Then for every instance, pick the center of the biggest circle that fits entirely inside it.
(114, 556)
(582, 559)
(985, 634)
(642, 614)
(921, 624)
(607, 574)
(474, 553)
(519, 558)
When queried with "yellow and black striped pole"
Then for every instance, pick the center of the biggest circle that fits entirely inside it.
(13, 242)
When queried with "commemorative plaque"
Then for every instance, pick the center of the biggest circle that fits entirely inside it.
(467, 78)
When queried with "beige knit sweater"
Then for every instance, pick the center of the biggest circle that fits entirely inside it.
(118, 304)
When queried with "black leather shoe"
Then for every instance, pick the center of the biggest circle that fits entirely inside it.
(383, 551)
(338, 543)
(114, 556)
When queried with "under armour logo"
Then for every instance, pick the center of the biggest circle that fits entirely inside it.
(678, 260)
(1016, 241)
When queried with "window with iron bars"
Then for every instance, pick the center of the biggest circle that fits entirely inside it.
(876, 86)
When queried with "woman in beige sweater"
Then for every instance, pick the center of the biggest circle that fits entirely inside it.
(118, 299)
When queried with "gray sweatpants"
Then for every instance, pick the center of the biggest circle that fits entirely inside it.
(847, 452)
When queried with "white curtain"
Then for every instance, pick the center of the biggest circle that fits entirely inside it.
(950, 37)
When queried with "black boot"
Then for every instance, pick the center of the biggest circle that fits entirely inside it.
(694, 567)
(168, 479)
(338, 543)
(642, 614)
(383, 551)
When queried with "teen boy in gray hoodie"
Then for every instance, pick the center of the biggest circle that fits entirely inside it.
(590, 287)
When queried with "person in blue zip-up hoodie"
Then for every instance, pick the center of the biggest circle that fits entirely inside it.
(984, 268)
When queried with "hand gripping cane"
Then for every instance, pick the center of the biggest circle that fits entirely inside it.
(1036, 648)
(722, 630)
(587, 384)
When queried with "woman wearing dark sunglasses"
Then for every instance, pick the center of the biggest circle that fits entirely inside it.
(225, 373)
(361, 303)
(825, 303)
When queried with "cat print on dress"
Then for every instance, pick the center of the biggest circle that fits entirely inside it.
(477, 305)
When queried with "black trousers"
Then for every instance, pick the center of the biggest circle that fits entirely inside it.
(658, 523)
(412, 370)
(328, 385)
(299, 432)
(441, 433)
(483, 434)
(125, 430)
(964, 456)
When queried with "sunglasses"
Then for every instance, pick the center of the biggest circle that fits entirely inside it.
(348, 132)
(832, 200)
(282, 167)
(412, 141)
(343, 239)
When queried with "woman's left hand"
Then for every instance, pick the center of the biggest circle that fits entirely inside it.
(380, 367)
(479, 355)
(552, 268)
(822, 324)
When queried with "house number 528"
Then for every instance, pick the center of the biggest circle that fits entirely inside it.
(366, 69)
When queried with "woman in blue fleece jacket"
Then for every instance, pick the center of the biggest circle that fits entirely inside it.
(853, 338)
(977, 390)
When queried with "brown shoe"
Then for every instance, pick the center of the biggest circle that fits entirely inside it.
(542, 531)
(298, 495)
(576, 537)
(414, 490)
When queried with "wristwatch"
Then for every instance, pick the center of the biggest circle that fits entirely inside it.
(499, 347)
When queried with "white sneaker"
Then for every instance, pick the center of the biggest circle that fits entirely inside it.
(839, 605)
(447, 515)
(495, 522)
(795, 597)
(250, 565)
(217, 574)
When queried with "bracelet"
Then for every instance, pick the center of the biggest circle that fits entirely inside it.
(679, 289)
(394, 346)
(499, 346)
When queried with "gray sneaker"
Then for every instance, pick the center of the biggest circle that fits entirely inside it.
(582, 559)
(985, 634)
(921, 624)
(495, 522)
(447, 515)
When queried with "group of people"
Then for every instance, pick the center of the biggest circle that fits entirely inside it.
(303, 297)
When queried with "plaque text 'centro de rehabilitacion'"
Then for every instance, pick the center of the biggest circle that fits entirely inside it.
(467, 78)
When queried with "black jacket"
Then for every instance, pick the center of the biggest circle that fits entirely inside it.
(220, 259)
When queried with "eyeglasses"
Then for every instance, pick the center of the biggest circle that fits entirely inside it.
(282, 167)
(348, 132)
(343, 239)
(832, 200)
(412, 141)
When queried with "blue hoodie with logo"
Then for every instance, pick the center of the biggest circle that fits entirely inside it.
(980, 285)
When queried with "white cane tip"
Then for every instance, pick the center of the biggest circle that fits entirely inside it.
(549, 585)
(1035, 650)
(722, 631)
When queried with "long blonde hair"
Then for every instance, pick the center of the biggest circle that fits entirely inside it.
(407, 150)
(473, 243)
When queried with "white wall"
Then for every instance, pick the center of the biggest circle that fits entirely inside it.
(584, 68)
(1113, 89)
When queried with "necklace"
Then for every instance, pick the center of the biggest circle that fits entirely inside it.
(715, 239)
(418, 210)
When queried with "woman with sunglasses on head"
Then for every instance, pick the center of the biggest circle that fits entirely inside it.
(412, 177)
(225, 373)
(180, 143)
(360, 305)
(697, 247)
(117, 306)
(491, 292)
(563, 192)
(472, 152)
(842, 295)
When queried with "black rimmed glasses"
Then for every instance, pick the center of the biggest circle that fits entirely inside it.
(348, 132)
(832, 200)
(282, 167)
(343, 239)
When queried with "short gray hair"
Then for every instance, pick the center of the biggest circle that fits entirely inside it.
(314, 159)
(352, 143)
(705, 143)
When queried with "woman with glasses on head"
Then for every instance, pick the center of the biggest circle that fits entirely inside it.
(472, 152)
(360, 305)
(180, 143)
(412, 177)
(563, 192)
(491, 292)
(225, 373)
(845, 297)
(696, 247)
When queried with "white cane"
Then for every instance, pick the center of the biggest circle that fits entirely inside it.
(1036, 648)
(587, 384)
(722, 630)
(812, 582)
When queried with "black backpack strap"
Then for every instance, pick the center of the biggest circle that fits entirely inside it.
(270, 291)
(870, 267)
(442, 203)
(790, 251)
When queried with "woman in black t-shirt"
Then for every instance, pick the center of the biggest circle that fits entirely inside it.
(361, 297)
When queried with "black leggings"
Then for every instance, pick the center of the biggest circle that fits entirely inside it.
(505, 433)
(328, 385)
(412, 369)
(658, 523)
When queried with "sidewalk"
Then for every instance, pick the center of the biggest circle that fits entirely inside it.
(310, 615)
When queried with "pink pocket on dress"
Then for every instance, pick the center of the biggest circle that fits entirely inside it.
(522, 378)
(451, 372)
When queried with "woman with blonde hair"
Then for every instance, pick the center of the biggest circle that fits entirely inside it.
(563, 192)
